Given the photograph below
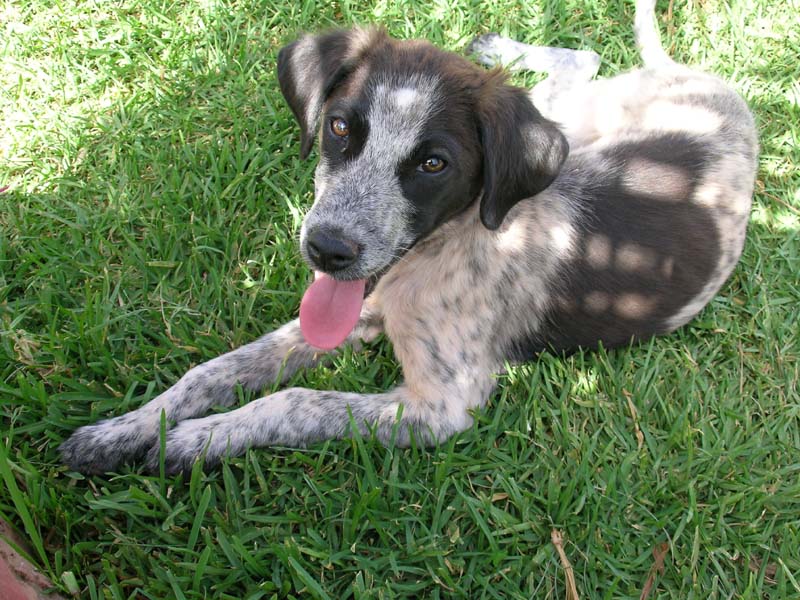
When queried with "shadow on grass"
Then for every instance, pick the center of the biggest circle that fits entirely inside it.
(170, 238)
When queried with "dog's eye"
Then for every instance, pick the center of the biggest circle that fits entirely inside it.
(433, 164)
(340, 128)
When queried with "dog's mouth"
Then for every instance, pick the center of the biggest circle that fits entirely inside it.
(330, 308)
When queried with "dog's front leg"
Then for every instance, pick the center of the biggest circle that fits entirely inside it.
(275, 357)
(296, 417)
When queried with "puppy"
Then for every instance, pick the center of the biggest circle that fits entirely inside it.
(474, 223)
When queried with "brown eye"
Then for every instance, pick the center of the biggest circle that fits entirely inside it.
(433, 164)
(340, 128)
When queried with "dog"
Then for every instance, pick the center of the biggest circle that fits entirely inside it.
(475, 224)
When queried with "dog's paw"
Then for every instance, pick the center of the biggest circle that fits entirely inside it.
(493, 50)
(104, 446)
(487, 49)
(185, 444)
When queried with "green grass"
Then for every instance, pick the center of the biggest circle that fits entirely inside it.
(150, 222)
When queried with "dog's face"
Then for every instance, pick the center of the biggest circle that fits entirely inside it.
(409, 136)
(399, 154)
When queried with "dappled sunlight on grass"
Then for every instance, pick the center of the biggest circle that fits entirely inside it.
(779, 218)
(153, 197)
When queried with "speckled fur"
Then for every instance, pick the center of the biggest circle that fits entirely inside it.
(640, 229)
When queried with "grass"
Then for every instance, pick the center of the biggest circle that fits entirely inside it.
(154, 193)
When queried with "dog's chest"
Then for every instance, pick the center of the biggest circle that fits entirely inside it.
(473, 288)
(437, 289)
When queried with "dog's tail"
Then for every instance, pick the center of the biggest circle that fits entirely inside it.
(647, 37)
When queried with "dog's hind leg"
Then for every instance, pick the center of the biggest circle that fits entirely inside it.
(567, 70)
(493, 50)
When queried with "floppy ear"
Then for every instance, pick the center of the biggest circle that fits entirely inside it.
(522, 151)
(311, 67)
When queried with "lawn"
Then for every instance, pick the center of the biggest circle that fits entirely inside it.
(152, 197)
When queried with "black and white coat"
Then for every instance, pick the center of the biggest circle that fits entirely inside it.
(582, 212)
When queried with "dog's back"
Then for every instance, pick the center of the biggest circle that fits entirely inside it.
(659, 183)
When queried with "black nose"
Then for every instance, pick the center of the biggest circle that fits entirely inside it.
(331, 251)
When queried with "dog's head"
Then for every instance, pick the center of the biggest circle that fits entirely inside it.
(409, 136)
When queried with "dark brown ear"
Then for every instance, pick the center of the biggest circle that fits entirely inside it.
(522, 151)
(311, 67)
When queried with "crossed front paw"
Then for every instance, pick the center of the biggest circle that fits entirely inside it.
(186, 443)
(105, 446)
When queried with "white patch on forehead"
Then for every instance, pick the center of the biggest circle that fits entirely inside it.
(405, 96)
(397, 115)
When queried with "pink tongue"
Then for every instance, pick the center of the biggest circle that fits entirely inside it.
(329, 310)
